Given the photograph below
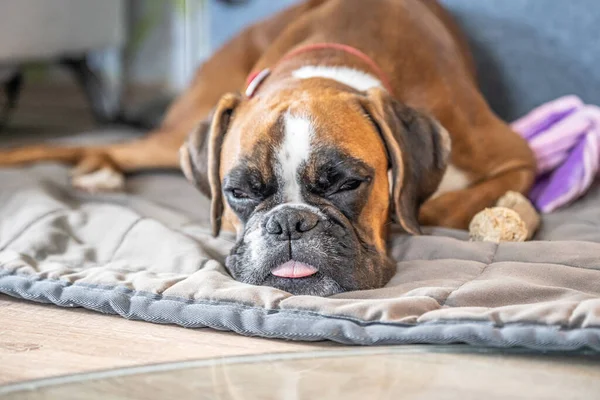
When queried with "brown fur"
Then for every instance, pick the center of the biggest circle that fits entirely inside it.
(421, 51)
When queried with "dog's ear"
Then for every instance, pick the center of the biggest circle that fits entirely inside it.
(200, 156)
(418, 149)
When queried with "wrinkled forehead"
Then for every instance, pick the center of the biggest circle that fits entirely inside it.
(307, 132)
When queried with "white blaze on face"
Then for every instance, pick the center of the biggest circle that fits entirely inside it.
(293, 153)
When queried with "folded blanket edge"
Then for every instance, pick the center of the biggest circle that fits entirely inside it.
(254, 321)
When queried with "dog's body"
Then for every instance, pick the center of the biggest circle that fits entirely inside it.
(299, 169)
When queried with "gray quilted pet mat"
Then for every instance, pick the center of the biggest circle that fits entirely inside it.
(147, 254)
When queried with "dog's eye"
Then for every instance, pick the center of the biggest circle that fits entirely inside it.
(238, 194)
(352, 184)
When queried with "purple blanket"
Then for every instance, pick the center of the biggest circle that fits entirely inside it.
(564, 135)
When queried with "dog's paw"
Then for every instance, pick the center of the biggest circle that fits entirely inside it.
(105, 179)
(498, 224)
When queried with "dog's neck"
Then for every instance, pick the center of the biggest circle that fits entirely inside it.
(331, 61)
(349, 76)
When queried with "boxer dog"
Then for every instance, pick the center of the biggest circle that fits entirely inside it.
(311, 130)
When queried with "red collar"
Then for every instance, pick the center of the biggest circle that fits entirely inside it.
(256, 78)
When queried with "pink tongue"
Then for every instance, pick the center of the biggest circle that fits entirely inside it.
(294, 269)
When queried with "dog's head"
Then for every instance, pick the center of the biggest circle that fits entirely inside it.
(310, 179)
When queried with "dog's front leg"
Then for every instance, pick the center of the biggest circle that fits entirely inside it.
(456, 209)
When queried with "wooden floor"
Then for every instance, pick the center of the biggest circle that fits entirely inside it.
(40, 341)
(52, 109)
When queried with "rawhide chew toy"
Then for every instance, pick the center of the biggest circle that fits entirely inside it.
(513, 219)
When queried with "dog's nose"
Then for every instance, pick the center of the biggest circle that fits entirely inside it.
(291, 224)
